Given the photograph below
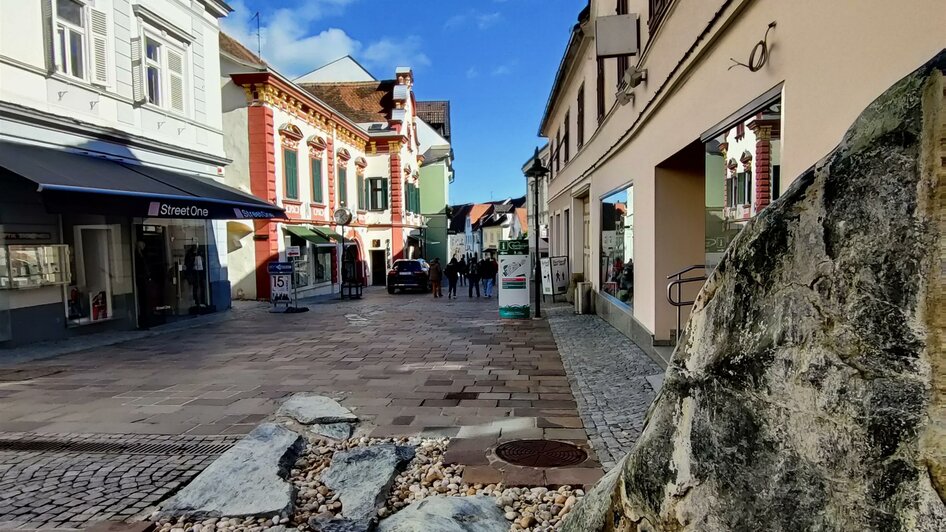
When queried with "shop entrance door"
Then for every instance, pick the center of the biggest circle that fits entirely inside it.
(379, 268)
(586, 232)
(151, 267)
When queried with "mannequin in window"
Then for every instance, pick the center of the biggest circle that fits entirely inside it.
(194, 273)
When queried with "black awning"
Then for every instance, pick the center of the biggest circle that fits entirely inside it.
(73, 183)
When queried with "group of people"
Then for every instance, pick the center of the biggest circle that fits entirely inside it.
(459, 272)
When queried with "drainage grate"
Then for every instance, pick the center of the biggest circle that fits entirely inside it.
(540, 453)
(109, 447)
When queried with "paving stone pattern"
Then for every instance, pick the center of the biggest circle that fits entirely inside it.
(66, 489)
(608, 374)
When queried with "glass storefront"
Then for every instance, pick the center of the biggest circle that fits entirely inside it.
(171, 267)
(100, 266)
(617, 246)
(743, 175)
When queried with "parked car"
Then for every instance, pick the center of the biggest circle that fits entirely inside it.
(409, 274)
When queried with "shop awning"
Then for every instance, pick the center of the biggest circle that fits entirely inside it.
(73, 183)
(328, 232)
(307, 234)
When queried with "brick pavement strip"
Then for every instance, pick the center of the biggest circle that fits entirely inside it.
(608, 375)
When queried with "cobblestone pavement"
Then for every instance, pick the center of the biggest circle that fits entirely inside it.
(406, 364)
(611, 378)
(68, 481)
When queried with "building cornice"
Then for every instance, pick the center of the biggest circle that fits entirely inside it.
(34, 117)
(269, 88)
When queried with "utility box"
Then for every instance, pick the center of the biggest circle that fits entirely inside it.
(583, 293)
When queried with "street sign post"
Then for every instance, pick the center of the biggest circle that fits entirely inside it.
(280, 284)
(514, 279)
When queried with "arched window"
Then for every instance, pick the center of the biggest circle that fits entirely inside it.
(290, 135)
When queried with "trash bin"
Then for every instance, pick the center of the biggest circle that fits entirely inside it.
(583, 298)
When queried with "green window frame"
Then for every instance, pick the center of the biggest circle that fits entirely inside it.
(376, 189)
(290, 159)
(316, 164)
(342, 186)
(360, 191)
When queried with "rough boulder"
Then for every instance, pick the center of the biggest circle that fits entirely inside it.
(809, 392)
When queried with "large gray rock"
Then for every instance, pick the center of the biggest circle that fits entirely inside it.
(340, 524)
(249, 479)
(309, 409)
(335, 431)
(362, 477)
(448, 514)
(809, 392)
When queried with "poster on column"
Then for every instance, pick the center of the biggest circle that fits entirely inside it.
(514, 279)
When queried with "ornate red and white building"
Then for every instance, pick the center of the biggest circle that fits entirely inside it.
(312, 149)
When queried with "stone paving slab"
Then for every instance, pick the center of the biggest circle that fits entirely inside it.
(68, 489)
(613, 380)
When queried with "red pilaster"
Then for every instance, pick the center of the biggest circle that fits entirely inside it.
(763, 165)
(397, 198)
(330, 163)
(262, 152)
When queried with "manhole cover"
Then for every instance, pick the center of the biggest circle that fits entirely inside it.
(540, 453)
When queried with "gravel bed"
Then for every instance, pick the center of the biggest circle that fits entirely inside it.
(536, 509)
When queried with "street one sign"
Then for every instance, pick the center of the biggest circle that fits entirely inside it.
(514, 279)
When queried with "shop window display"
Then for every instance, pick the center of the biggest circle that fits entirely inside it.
(617, 245)
(171, 269)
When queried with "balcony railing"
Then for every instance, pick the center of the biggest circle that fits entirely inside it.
(658, 8)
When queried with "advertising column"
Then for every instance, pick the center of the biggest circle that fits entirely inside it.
(514, 270)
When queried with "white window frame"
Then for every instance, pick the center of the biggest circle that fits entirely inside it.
(165, 44)
(61, 48)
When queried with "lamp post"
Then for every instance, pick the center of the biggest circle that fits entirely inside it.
(536, 172)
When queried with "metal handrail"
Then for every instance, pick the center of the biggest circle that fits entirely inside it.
(678, 282)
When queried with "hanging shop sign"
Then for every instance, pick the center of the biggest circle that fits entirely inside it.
(293, 252)
(514, 279)
(280, 283)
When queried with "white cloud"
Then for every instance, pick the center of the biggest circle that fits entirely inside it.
(481, 20)
(472, 72)
(289, 43)
(504, 69)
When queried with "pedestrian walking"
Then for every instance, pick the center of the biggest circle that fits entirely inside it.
(452, 271)
(473, 277)
(463, 270)
(436, 277)
(486, 277)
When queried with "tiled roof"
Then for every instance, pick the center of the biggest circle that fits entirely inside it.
(523, 215)
(436, 113)
(478, 210)
(234, 48)
(458, 217)
(362, 101)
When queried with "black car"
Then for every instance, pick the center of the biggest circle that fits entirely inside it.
(409, 274)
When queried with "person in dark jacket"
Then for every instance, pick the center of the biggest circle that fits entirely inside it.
(473, 277)
(452, 272)
(486, 277)
(463, 270)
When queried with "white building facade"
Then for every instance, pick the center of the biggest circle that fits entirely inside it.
(112, 158)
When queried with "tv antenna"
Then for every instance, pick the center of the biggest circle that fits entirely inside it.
(259, 39)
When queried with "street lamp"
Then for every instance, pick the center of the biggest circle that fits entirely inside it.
(536, 172)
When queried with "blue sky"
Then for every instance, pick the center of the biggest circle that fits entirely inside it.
(493, 59)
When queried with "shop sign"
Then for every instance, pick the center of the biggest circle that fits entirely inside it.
(293, 251)
(554, 275)
(27, 236)
(514, 279)
(166, 210)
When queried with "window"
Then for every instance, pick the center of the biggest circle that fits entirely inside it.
(743, 188)
(580, 130)
(342, 184)
(558, 150)
(70, 38)
(316, 180)
(360, 190)
(776, 181)
(164, 74)
(291, 172)
(617, 245)
(565, 138)
(624, 61)
(658, 8)
(599, 89)
(377, 194)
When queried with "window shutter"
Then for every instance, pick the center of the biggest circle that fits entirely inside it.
(176, 79)
(99, 40)
(138, 70)
(384, 194)
(292, 176)
(317, 180)
(49, 34)
(360, 191)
